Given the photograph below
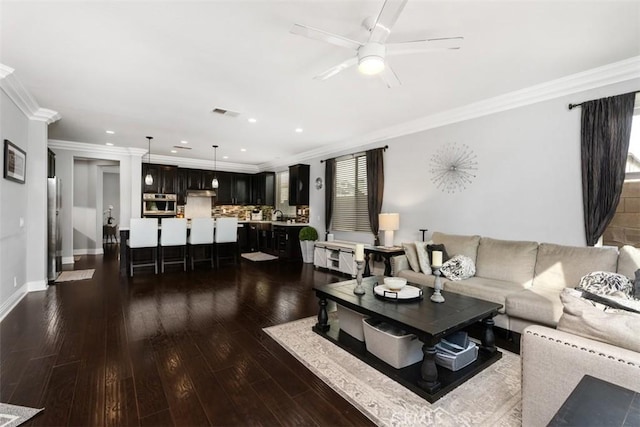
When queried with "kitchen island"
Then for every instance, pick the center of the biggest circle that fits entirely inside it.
(278, 238)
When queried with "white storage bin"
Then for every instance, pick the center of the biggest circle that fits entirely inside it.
(459, 360)
(397, 348)
(351, 322)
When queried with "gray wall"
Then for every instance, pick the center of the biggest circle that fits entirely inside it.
(528, 185)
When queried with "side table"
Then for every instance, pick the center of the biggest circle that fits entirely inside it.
(385, 252)
(595, 402)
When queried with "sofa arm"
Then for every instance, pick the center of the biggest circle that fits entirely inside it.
(399, 263)
(554, 362)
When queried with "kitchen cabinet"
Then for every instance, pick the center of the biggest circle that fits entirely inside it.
(299, 185)
(263, 187)
(233, 189)
(287, 243)
(182, 185)
(164, 178)
(194, 179)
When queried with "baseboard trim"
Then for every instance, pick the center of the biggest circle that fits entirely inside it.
(96, 251)
(13, 300)
(68, 260)
(37, 285)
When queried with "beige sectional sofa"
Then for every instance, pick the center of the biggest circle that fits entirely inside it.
(525, 277)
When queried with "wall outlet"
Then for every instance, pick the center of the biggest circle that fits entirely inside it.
(15, 282)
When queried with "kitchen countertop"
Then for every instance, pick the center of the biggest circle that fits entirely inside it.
(278, 223)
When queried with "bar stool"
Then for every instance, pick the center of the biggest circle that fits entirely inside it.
(174, 234)
(201, 236)
(143, 234)
(226, 234)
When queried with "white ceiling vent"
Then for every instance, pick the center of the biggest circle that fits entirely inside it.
(182, 147)
(224, 112)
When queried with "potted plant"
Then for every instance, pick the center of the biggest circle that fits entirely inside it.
(308, 236)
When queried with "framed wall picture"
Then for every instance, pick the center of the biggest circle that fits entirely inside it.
(15, 162)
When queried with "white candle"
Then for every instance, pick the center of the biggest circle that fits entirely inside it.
(359, 252)
(436, 260)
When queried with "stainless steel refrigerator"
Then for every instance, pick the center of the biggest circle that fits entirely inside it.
(54, 206)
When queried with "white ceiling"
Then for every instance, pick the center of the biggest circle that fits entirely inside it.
(158, 68)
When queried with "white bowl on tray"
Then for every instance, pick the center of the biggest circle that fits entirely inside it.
(395, 283)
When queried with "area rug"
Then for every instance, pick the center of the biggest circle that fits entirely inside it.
(69, 276)
(13, 415)
(258, 256)
(491, 398)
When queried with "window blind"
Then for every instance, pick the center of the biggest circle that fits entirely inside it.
(350, 212)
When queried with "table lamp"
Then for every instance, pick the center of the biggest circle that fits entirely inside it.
(388, 222)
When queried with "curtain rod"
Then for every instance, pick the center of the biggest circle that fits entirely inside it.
(352, 154)
(572, 106)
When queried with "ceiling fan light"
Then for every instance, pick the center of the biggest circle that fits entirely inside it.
(371, 65)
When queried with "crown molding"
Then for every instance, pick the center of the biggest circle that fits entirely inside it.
(93, 149)
(605, 75)
(10, 84)
(187, 162)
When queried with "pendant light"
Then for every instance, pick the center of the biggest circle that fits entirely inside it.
(148, 180)
(214, 181)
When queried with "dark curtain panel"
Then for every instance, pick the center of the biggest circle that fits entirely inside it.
(605, 133)
(375, 188)
(329, 188)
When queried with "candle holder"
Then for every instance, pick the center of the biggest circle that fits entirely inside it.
(437, 287)
(359, 289)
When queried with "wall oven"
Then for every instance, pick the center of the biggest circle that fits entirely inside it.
(159, 205)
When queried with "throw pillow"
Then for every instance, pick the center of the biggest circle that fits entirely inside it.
(636, 285)
(459, 267)
(412, 256)
(423, 257)
(441, 248)
(606, 283)
(581, 318)
(613, 303)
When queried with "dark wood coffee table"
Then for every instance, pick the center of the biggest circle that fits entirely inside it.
(428, 320)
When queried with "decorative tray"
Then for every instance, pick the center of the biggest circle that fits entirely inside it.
(406, 294)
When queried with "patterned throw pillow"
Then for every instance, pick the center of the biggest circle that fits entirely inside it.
(423, 257)
(459, 267)
(412, 256)
(606, 283)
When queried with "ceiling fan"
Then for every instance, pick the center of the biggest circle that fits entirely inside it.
(371, 55)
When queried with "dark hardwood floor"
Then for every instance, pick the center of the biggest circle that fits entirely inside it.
(168, 349)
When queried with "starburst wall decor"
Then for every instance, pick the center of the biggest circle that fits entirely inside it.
(453, 168)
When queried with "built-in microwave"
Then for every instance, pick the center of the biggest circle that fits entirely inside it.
(159, 204)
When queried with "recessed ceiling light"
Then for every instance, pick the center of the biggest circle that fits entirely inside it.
(299, 130)
(184, 142)
(243, 149)
(174, 151)
(252, 120)
(109, 143)
(225, 157)
(110, 132)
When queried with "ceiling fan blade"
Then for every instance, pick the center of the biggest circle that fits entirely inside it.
(386, 20)
(316, 34)
(338, 68)
(429, 45)
(389, 77)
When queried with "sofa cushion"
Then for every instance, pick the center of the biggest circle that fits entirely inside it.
(508, 260)
(582, 318)
(423, 257)
(559, 267)
(417, 278)
(537, 304)
(459, 267)
(629, 261)
(458, 245)
(412, 256)
(606, 283)
(485, 289)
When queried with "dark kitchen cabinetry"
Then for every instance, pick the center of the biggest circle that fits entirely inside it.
(164, 178)
(287, 243)
(194, 179)
(298, 185)
(263, 188)
(182, 185)
(233, 189)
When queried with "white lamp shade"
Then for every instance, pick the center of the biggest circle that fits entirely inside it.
(389, 221)
(148, 180)
(214, 183)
